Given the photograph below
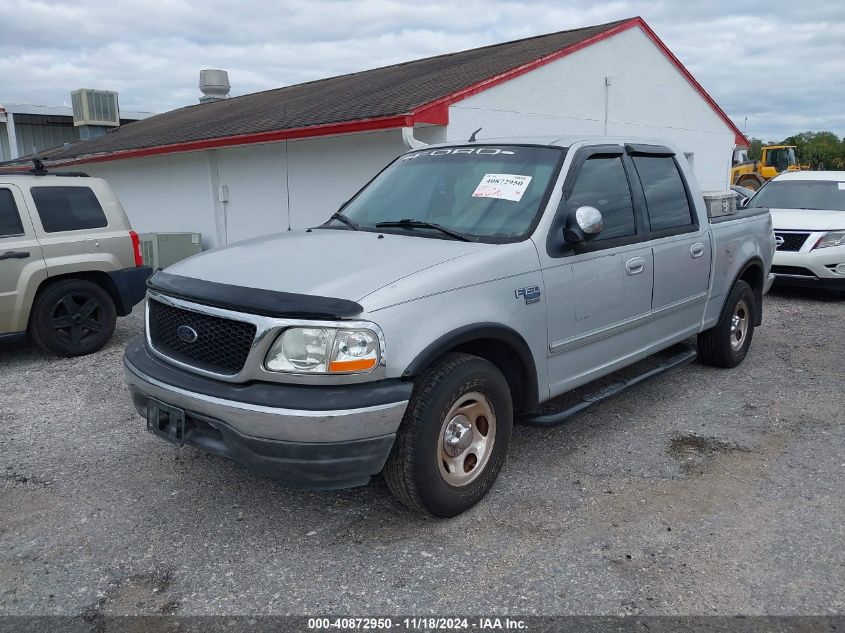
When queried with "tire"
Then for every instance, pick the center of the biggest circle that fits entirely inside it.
(431, 469)
(72, 318)
(727, 343)
(749, 183)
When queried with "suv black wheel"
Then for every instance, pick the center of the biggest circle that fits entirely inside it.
(72, 318)
(727, 343)
(454, 437)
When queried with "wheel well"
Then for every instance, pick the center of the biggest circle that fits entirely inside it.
(508, 361)
(94, 276)
(753, 276)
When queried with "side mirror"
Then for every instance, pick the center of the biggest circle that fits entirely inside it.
(582, 225)
(742, 203)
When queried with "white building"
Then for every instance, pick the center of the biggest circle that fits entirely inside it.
(287, 158)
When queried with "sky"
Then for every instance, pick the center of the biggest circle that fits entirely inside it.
(776, 67)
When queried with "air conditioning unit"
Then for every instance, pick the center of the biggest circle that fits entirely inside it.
(95, 107)
(160, 250)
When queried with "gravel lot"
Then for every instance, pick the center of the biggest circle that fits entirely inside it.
(704, 491)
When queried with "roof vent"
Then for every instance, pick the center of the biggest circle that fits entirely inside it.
(95, 107)
(214, 85)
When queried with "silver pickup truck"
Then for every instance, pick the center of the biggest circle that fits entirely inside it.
(459, 290)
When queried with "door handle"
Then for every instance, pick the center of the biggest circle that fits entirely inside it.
(15, 255)
(696, 250)
(635, 266)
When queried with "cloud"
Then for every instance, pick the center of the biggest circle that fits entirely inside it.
(778, 63)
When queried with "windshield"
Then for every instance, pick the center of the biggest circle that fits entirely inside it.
(491, 193)
(801, 194)
(781, 158)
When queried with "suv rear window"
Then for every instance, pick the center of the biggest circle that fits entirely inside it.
(10, 221)
(665, 194)
(68, 209)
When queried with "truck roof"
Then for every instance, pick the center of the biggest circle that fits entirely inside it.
(556, 140)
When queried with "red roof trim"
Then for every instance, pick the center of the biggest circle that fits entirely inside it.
(434, 113)
(361, 125)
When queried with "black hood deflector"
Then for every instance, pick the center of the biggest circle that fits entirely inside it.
(253, 300)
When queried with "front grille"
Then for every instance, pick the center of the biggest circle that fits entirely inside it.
(792, 270)
(221, 346)
(792, 241)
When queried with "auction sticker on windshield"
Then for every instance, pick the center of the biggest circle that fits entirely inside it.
(502, 186)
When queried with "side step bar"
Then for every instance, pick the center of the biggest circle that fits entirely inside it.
(559, 417)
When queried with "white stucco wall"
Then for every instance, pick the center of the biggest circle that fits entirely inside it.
(163, 193)
(647, 97)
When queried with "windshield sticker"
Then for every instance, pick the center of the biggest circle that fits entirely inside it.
(841, 186)
(502, 186)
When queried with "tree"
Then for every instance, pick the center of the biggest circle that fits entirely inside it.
(818, 149)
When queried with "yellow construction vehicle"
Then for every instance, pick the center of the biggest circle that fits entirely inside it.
(753, 173)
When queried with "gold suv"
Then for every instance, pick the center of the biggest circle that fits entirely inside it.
(70, 263)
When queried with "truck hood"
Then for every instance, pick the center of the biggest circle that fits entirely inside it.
(336, 263)
(807, 220)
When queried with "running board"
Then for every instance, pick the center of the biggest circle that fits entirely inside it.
(559, 417)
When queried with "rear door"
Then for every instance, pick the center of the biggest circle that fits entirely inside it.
(680, 242)
(597, 297)
(22, 265)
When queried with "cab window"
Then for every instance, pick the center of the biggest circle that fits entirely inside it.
(603, 184)
(10, 221)
(68, 209)
(665, 194)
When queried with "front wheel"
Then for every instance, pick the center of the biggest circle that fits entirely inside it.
(727, 343)
(454, 437)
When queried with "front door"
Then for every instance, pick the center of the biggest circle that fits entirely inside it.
(22, 264)
(597, 298)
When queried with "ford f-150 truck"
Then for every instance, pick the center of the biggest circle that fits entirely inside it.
(460, 289)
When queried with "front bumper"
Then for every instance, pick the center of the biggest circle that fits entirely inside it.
(814, 268)
(304, 435)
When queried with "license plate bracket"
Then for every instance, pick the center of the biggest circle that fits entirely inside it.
(166, 422)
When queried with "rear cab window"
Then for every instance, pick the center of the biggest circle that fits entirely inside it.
(666, 197)
(10, 219)
(68, 209)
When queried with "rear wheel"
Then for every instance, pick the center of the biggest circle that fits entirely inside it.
(727, 343)
(454, 437)
(72, 318)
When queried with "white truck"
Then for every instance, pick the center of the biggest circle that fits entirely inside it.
(460, 289)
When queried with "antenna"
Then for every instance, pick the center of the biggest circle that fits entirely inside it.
(38, 167)
(472, 136)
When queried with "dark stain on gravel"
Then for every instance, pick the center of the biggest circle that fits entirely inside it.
(146, 593)
(695, 450)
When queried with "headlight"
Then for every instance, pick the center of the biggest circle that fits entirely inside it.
(324, 351)
(834, 238)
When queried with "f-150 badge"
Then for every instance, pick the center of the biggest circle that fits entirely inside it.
(530, 293)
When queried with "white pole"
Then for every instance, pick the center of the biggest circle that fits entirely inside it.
(13, 138)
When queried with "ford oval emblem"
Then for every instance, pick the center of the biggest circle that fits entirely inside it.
(187, 334)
